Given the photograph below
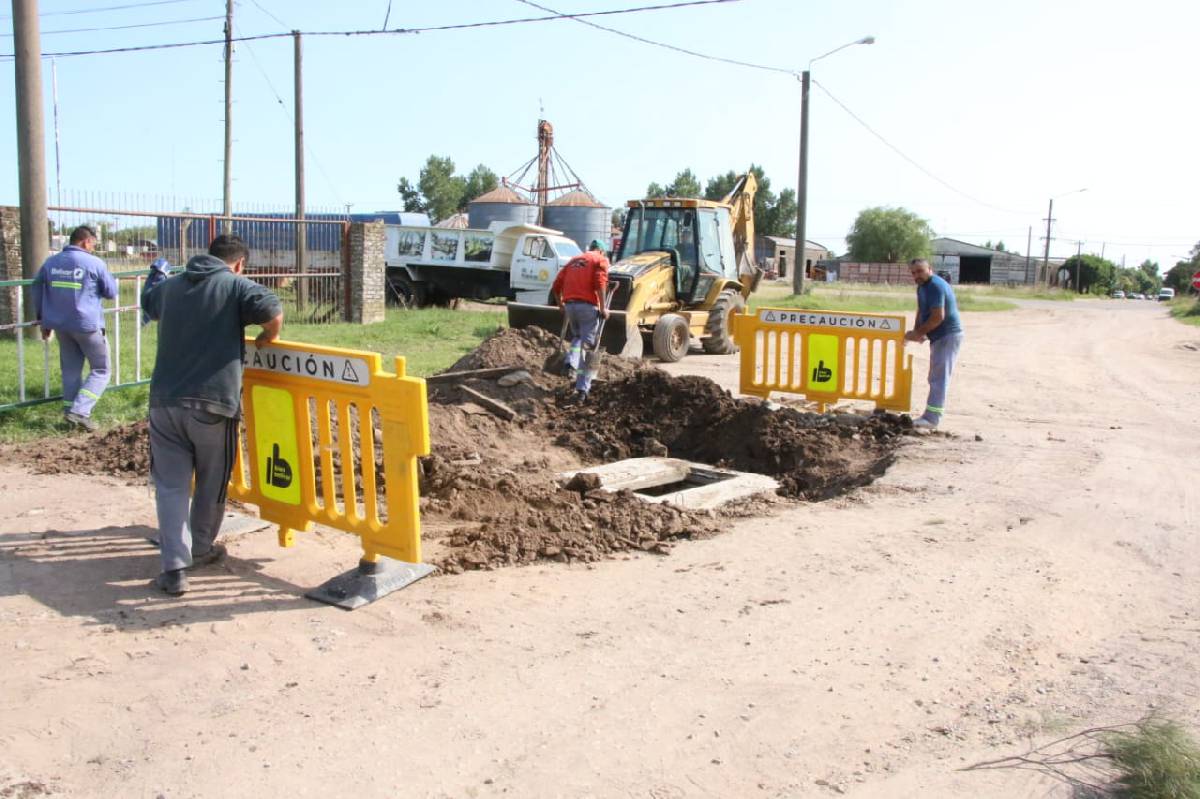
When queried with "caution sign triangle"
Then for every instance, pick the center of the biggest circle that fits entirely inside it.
(769, 316)
(349, 375)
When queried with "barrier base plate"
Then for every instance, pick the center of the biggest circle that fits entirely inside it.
(368, 582)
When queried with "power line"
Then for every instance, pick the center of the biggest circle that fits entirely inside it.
(903, 155)
(124, 27)
(268, 13)
(108, 8)
(394, 31)
(653, 43)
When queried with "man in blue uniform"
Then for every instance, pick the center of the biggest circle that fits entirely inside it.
(938, 321)
(66, 298)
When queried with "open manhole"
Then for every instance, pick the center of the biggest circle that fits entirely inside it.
(696, 486)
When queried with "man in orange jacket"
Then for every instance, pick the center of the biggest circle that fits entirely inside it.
(579, 290)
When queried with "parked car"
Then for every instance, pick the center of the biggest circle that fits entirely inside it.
(1118, 295)
(1166, 294)
(1137, 296)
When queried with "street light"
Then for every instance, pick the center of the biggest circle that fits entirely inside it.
(1049, 219)
(799, 262)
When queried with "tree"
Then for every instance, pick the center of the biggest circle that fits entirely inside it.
(442, 189)
(773, 215)
(685, 184)
(479, 182)
(1098, 275)
(891, 235)
(411, 196)
(1149, 267)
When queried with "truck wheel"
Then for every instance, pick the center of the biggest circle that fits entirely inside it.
(719, 340)
(671, 338)
(403, 292)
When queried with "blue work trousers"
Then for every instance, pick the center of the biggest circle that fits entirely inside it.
(943, 354)
(583, 320)
(80, 395)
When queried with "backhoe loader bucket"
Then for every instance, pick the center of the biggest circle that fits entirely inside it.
(621, 336)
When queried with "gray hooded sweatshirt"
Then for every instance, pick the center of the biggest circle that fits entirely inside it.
(202, 314)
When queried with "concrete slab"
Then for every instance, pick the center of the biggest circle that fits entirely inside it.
(696, 486)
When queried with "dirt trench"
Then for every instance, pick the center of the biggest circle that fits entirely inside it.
(490, 494)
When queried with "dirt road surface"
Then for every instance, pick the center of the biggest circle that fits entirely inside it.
(1032, 573)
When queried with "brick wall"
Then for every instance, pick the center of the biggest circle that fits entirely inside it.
(10, 260)
(873, 273)
(368, 280)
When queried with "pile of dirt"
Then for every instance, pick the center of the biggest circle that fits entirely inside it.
(814, 456)
(490, 495)
(495, 516)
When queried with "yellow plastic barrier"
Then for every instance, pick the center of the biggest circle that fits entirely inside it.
(310, 419)
(826, 356)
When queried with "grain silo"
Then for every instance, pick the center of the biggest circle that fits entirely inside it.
(580, 218)
(501, 204)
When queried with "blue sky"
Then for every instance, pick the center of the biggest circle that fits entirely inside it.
(1008, 103)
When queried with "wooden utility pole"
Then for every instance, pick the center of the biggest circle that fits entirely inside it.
(799, 262)
(301, 234)
(227, 205)
(1046, 256)
(1028, 256)
(31, 138)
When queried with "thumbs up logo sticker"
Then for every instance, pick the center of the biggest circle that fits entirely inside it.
(279, 471)
(276, 443)
(823, 363)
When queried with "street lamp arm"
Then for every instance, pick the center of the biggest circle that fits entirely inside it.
(863, 40)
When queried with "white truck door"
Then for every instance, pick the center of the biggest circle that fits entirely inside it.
(534, 266)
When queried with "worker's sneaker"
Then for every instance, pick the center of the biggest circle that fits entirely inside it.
(214, 555)
(580, 397)
(79, 420)
(571, 373)
(173, 582)
(921, 423)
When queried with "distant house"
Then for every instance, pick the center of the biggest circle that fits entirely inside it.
(781, 252)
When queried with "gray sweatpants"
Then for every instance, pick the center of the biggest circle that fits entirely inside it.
(184, 444)
(79, 395)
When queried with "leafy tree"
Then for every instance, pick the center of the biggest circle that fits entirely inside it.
(998, 246)
(1149, 267)
(773, 215)
(479, 182)
(442, 189)
(685, 184)
(890, 235)
(410, 195)
(1097, 275)
(1179, 276)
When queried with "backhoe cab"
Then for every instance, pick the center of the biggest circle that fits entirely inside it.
(683, 269)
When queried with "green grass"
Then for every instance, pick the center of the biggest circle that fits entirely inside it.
(430, 339)
(1156, 761)
(1186, 310)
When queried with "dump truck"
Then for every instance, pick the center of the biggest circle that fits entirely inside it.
(432, 265)
(684, 268)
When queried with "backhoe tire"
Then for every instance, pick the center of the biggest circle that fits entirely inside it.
(719, 340)
(671, 338)
(404, 292)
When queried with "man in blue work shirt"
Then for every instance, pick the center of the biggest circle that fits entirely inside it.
(66, 298)
(938, 321)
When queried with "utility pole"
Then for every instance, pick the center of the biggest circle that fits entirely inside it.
(799, 261)
(1028, 256)
(1079, 267)
(1046, 256)
(57, 153)
(31, 137)
(301, 234)
(227, 206)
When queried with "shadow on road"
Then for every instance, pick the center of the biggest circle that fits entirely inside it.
(107, 574)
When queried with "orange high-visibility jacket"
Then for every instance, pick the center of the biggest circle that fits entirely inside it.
(583, 279)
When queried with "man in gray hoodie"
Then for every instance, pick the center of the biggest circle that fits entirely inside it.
(196, 397)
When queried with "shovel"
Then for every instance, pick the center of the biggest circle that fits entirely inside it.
(596, 354)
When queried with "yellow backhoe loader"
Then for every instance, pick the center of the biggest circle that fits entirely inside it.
(683, 268)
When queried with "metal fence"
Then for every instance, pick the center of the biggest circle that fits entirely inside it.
(35, 376)
(310, 280)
